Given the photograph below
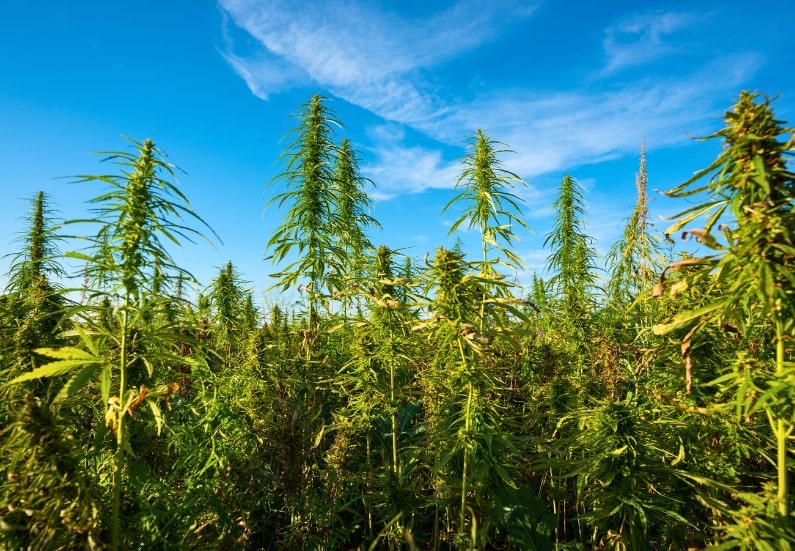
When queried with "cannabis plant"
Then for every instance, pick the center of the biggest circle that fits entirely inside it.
(46, 500)
(312, 219)
(370, 452)
(747, 204)
(35, 267)
(637, 258)
(471, 451)
(572, 257)
(34, 286)
(488, 200)
(120, 340)
(353, 206)
(228, 303)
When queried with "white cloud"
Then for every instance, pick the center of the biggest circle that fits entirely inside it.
(377, 59)
(369, 57)
(399, 169)
(557, 132)
(640, 38)
(561, 130)
(263, 75)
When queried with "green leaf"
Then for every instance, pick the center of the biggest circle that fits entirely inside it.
(105, 382)
(619, 451)
(690, 215)
(680, 456)
(72, 358)
(90, 345)
(77, 381)
(761, 176)
(67, 353)
(680, 321)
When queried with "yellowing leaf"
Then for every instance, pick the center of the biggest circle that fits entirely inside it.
(679, 457)
(619, 451)
(679, 286)
(157, 413)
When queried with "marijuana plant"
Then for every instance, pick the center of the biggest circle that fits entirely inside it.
(36, 265)
(637, 257)
(488, 199)
(33, 286)
(140, 210)
(471, 450)
(353, 205)
(748, 198)
(227, 302)
(312, 220)
(489, 204)
(572, 258)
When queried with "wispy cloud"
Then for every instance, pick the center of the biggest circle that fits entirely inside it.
(379, 60)
(369, 57)
(264, 74)
(641, 38)
(400, 169)
(558, 130)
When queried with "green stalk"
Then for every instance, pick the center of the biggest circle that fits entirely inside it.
(781, 429)
(119, 456)
(394, 416)
(751, 182)
(482, 311)
(139, 211)
(467, 424)
(467, 428)
(781, 437)
(370, 477)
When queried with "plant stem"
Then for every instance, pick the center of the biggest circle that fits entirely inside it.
(467, 424)
(781, 429)
(482, 311)
(467, 427)
(119, 457)
(394, 416)
(367, 486)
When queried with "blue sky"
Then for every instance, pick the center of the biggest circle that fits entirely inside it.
(572, 87)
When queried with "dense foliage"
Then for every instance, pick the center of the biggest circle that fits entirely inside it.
(437, 405)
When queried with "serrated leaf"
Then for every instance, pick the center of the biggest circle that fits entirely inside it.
(52, 369)
(690, 215)
(66, 353)
(77, 381)
(681, 320)
(84, 337)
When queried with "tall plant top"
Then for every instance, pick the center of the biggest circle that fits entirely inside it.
(310, 220)
(35, 267)
(750, 191)
(572, 259)
(487, 198)
(140, 212)
(328, 214)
